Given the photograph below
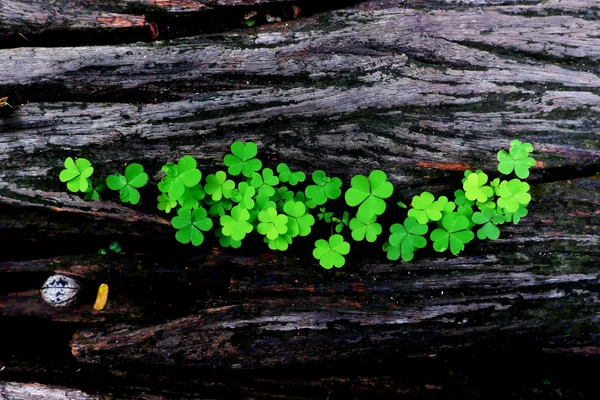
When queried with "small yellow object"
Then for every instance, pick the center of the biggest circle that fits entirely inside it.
(102, 297)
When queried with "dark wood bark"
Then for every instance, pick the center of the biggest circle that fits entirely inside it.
(419, 90)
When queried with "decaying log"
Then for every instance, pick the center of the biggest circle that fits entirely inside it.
(418, 89)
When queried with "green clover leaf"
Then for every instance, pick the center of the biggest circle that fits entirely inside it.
(242, 160)
(405, 239)
(325, 215)
(281, 242)
(190, 225)
(331, 253)
(287, 176)
(324, 188)
(184, 174)
(475, 188)
(76, 174)
(218, 208)
(486, 218)
(299, 221)
(369, 193)
(227, 241)
(165, 203)
(517, 215)
(236, 225)
(272, 224)
(217, 185)
(341, 222)
(425, 209)
(512, 194)
(454, 232)
(191, 197)
(365, 228)
(263, 183)
(134, 177)
(516, 159)
(244, 195)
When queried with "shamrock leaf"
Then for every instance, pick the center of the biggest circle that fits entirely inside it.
(425, 209)
(281, 242)
(180, 176)
(331, 253)
(190, 225)
(365, 228)
(517, 215)
(516, 159)
(76, 174)
(454, 232)
(227, 241)
(299, 221)
(165, 203)
(191, 197)
(324, 188)
(369, 193)
(286, 175)
(405, 239)
(513, 194)
(475, 188)
(217, 185)
(486, 218)
(341, 222)
(325, 215)
(236, 225)
(272, 224)
(263, 183)
(244, 195)
(134, 177)
(218, 208)
(242, 160)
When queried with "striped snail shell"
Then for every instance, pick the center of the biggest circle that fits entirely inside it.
(60, 290)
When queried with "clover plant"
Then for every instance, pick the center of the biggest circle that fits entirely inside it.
(405, 239)
(190, 224)
(331, 253)
(454, 233)
(128, 184)
(517, 159)
(77, 174)
(277, 206)
(369, 193)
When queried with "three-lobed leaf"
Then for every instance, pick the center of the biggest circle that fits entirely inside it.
(190, 224)
(241, 160)
(369, 193)
(454, 233)
(405, 239)
(517, 159)
(426, 208)
(76, 174)
(331, 253)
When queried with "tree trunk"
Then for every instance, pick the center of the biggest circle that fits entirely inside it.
(421, 90)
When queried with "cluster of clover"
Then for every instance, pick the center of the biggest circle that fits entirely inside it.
(264, 201)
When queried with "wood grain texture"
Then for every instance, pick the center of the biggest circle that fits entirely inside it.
(422, 90)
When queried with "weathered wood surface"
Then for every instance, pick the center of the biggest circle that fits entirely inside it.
(420, 90)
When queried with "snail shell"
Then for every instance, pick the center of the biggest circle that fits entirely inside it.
(60, 290)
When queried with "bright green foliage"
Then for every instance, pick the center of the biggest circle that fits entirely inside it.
(236, 225)
(324, 188)
(218, 186)
(190, 225)
(127, 185)
(369, 193)
(244, 195)
(112, 247)
(405, 239)
(218, 208)
(365, 228)
(475, 188)
(242, 160)
(76, 174)
(325, 215)
(486, 217)
(425, 209)
(287, 176)
(341, 222)
(331, 253)
(272, 224)
(454, 233)
(191, 197)
(517, 215)
(513, 193)
(299, 221)
(227, 241)
(263, 183)
(516, 159)
(165, 203)
(281, 242)
(178, 177)
(401, 205)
